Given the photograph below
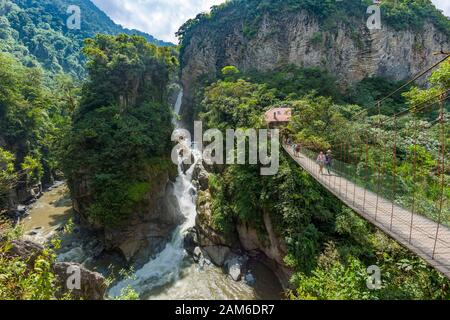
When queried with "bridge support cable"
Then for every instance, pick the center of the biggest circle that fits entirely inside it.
(414, 204)
(377, 137)
(442, 193)
(367, 170)
(389, 188)
(394, 172)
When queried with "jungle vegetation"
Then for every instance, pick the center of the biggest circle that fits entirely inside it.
(330, 247)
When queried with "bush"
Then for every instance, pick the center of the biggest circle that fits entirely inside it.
(21, 281)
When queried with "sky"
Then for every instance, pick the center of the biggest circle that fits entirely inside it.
(162, 18)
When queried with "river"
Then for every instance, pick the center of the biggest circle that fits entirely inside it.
(172, 274)
(48, 214)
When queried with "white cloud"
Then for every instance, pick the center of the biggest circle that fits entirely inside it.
(444, 5)
(162, 18)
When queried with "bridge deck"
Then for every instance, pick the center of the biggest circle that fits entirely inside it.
(418, 236)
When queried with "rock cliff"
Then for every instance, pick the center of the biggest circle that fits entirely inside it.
(220, 246)
(348, 50)
(143, 233)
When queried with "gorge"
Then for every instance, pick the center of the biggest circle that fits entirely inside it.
(95, 110)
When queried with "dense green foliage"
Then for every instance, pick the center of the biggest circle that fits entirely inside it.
(8, 177)
(293, 82)
(121, 132)
(36, 33)
(329, 246)
(36, 98)
(33, 117)
(369, 90)
(404, 14)
(26, 280)
(341, 272)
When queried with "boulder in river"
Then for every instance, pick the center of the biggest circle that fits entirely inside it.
(95, 248)
(92, 284)
(235, 272)
(201, 176)
(235, 266)
(191, 240)
(74, 255)
(249, 278)
(17, 214)
(197, 254)
(217, 254)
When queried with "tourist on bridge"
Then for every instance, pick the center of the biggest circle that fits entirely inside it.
(329, 161)
(289, 141)
(298, 149)
(321, 159)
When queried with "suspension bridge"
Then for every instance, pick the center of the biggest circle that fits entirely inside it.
(372, 185)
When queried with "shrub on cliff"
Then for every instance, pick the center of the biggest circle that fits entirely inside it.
(33, 116)
(8, 177)
(25, 272)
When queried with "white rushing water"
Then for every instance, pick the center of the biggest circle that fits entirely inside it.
(170, 275)
(177, 107)
(167, 265)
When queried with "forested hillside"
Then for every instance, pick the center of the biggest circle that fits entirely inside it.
(33, 119)
(93, 102)
(41, 71)
(36, 33)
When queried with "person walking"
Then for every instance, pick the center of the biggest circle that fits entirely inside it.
(289, 141)
(321, 161)
(298, 149)
(329, 161)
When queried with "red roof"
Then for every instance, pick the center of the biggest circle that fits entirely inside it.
(278, 115)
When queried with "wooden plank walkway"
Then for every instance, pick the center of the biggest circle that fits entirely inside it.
(415, 232)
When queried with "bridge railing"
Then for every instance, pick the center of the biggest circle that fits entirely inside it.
(394, 187)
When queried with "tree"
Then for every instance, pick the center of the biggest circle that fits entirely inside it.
(8, 177)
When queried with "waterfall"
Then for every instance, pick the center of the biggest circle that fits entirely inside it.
(177, 107)
(167, 265)
(170, 275)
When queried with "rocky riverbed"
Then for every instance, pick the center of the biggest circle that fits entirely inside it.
(48, 214)
(238, 277)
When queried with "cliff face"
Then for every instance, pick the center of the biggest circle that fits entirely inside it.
(144, 232)
(350, 51)
(273, 248)
(220, 246)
